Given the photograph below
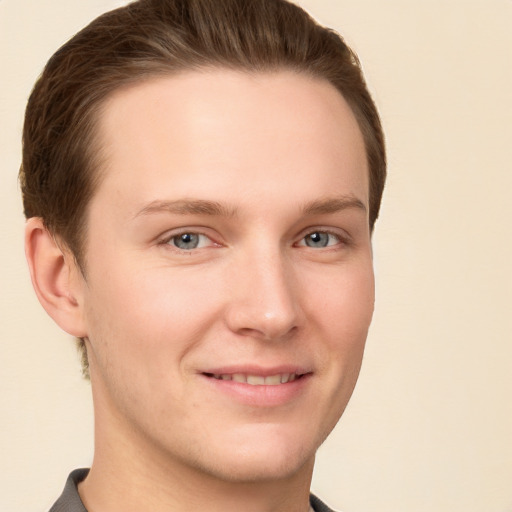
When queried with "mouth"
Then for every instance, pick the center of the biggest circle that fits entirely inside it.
(257, 386)
(257, 380)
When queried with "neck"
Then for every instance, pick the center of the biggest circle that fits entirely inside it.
(131, 483)
(130, 474)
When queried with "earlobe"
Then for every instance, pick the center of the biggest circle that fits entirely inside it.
(55, 278)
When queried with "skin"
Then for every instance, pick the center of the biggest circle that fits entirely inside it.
(267, 173)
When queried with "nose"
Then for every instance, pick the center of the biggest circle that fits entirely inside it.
(264, 301)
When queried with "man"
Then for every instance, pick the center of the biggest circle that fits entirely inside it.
(201, 179)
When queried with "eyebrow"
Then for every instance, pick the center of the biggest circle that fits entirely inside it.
(332, 205)
(187, 207)
(213, 208)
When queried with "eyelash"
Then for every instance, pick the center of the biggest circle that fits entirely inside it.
(168, 240)
(341, 240)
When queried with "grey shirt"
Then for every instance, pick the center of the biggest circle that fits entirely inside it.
(70, 501)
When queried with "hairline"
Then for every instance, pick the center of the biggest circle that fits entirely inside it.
(97, 162)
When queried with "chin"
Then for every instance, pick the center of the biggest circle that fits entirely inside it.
(254, 469)
(259, 459)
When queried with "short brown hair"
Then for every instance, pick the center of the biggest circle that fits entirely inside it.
(148, 38)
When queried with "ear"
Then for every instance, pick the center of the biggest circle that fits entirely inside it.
(56, 279)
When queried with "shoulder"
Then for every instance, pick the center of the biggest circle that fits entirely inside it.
(318, 505)
(69, 500)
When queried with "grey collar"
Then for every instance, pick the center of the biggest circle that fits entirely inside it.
(70, 501)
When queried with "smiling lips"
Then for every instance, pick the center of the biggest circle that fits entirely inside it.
(258, 386)
(256, 380)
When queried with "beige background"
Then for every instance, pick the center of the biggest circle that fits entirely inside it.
(430, 425)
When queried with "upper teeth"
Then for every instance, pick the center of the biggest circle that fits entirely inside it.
(257, 380)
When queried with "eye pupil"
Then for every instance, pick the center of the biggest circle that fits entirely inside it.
(186, 241)
(317, 239)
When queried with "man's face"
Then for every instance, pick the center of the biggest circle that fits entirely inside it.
(229, 273)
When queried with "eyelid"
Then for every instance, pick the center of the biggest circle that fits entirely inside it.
(166, 238)
(342, 236)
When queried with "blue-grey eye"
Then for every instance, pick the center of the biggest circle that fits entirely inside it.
(186, 241)
(320, 239)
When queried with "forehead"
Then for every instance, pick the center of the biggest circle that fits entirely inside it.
(201, 131)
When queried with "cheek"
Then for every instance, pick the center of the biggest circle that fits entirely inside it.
(342, 310)
(141, 328)
(148, 318)
(343, 301)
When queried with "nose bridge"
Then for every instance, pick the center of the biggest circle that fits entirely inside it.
(264, 300)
